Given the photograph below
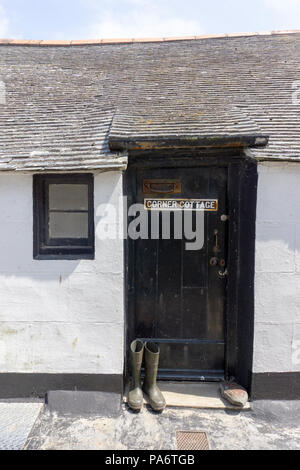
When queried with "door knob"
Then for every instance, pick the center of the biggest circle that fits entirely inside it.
(213, 261)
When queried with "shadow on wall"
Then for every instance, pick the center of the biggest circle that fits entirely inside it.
(16, 235)
(58, 316)
(54, 289)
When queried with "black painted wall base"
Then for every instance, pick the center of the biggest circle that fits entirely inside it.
(275, 386)
(264, 386)
(37, 385)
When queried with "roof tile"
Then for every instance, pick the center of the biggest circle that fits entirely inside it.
(65, 105)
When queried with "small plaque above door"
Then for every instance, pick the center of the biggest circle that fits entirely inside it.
(162, 186)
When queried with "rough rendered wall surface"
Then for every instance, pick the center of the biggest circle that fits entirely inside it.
(277, 282)
(59, 316)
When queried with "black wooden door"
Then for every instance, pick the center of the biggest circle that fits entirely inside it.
(179, 294)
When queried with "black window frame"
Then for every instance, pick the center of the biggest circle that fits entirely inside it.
(60, 248)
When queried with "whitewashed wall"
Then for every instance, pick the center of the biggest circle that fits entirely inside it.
(277, 283)
(59, 316)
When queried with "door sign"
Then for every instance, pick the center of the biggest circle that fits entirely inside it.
(210, 205)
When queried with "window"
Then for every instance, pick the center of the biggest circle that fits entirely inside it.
(63, 217)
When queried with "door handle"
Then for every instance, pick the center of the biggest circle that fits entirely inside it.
(216, 243)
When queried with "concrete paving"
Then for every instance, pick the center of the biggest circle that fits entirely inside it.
(16, 422)
(268, 425)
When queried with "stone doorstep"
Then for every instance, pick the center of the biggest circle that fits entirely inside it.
(63, 402)
(194, 395)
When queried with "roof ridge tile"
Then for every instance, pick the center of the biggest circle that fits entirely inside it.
(80, 42)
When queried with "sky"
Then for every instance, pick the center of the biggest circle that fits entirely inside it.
(94, 19)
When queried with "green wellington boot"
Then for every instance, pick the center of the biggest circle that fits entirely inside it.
(135, 396)
(156, 399)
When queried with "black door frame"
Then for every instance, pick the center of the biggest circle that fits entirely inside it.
(241, 198)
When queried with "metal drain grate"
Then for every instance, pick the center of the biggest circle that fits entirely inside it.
(191, 440)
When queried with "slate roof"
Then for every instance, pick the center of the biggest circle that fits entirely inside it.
(76, 106)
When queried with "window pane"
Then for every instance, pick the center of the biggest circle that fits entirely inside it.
(68, 225)
(68, 196)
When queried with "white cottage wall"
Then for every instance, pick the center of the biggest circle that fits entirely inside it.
(277, 278)
(59, 316)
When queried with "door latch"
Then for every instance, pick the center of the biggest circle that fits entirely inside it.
(223, 273)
